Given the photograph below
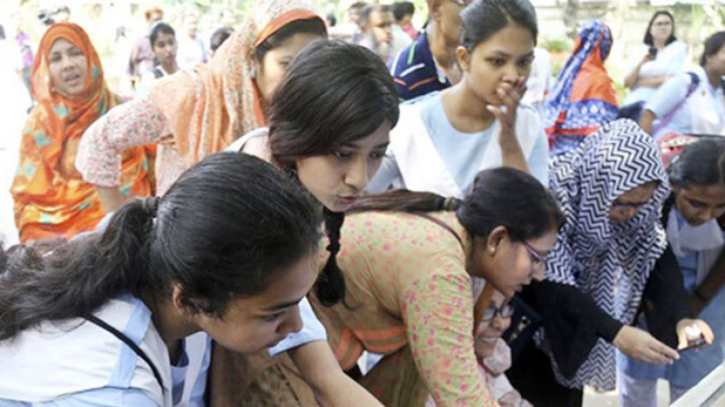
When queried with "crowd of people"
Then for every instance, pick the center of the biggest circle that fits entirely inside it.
(310, 213)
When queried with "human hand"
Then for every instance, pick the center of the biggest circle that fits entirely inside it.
(511, 95)
(707, 333)
(640, 345)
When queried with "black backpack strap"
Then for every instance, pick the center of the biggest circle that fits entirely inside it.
(125, 339)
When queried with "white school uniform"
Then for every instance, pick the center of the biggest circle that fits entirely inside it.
(703, 112)
(76, 361)
(413, 162)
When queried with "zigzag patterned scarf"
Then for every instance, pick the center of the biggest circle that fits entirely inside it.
(609, 262)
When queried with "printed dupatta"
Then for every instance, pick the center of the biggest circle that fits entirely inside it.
(221, 102)
(609, 262)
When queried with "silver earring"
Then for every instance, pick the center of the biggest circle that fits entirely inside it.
(253, 72)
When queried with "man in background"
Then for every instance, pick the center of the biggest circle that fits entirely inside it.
(192, 50)
(377, 34)
(429, 64)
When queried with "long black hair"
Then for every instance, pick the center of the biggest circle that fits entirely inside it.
(500, 197)
(219, 37)
(648, 40)
(700, 163)
(228, 227)
(484, 18)
(332, 94)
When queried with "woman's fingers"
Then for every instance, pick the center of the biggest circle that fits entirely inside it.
(651, 356)
(659, 352)
(706, 331)
(497, 112)
(667, 352)
(682, 341)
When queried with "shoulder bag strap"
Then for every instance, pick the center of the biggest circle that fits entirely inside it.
(125, 339)
(665, 120)
(484, 299)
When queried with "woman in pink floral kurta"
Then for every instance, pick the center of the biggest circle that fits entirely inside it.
(410, 283)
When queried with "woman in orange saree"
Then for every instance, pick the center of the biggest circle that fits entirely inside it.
(200, 111)
(51, 199)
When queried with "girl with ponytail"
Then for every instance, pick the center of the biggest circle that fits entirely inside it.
(124, 317)
(328, 129)
(410, 260)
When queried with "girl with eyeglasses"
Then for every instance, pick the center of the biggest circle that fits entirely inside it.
(691, 102)
(414, 264)
(492, 352)
(659, 58)
(611, 189)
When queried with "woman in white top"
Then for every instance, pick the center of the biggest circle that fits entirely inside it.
(165, 48)
(443, 140)
(662, 57)
(692, 102)
(111, 319)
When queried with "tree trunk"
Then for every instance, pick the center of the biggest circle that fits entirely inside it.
(571, 10)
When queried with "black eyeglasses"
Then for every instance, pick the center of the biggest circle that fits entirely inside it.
(633, 205)
(505, 311)
(537, 259)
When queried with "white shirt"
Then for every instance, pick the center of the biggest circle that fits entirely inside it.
(76, 361)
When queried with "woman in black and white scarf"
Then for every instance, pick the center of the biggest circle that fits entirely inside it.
(611, 189)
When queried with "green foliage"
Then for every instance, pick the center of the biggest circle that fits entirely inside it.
(558, 44)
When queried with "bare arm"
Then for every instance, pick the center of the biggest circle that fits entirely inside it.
(652, 82)
(632, 80)
(111, 198)
(99, 158)
(646, 119)
(332, 387)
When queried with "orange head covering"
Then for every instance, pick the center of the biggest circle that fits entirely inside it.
(51, 199)
(74, 113)
(209, 107)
